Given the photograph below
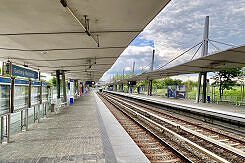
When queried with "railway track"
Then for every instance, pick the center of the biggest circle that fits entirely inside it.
(201, 141)
(155, 149)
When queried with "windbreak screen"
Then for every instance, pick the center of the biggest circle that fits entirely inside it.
(44, 94)
(4, 98)
(20, 97)
(35, 95)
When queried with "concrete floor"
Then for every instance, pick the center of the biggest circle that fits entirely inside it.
(83, 132)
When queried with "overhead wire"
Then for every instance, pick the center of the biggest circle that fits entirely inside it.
(214, 46)
(160, 67)
(196, 51)
(221, 43)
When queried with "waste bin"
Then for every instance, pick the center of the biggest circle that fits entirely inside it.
(71, 100)
(208, 98)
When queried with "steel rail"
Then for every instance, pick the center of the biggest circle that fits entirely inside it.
(185, 121)
(217, 143)
(116, 104)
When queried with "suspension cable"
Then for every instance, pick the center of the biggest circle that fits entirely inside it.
(222, 43)
(196, 51)
(214, 46)
(160, 67)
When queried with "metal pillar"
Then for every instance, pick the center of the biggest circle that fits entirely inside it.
(76, 88)
(122, 81)
(8, 128)
(39, 75)
(150, 81)
(204, 87)
(133, 68)
(1, 136)
(205, 37)
(204, 53)
(8, 122)
(39, 106)
(58, 83)
(198, 87)
(150, 88)
(29, 104)
(152, 60)
(208, 91)
(12, 96)
(242, 91)
(64, 86)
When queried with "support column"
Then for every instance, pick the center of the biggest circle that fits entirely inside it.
(1, 136)
(198, 87)
(204, 53)
(8, 128)
(64, 86)
(8, 122)
(150, 88)
(29, 104)
(204, 94)
(76, 87)
(12, 96)
(122, 81)
(58, 83)
(39, 106)
(150, 81)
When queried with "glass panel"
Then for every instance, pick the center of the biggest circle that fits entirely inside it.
(15, 122)
(4, 98)
(31, 115)
(35, 95)
(20, 97)
(44, 94)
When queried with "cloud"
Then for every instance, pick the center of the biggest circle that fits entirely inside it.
(128, 69)
(179, 26)
(140, 55)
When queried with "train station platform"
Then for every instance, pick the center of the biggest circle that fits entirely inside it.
(230, 113)
(85, 131)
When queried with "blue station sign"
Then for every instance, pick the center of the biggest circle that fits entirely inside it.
(22, 72)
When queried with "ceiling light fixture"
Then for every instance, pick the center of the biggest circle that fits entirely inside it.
(84, 25)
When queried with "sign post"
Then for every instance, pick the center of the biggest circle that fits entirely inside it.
(14, 70)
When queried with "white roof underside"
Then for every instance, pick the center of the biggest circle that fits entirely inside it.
(230, 58)
(117, 22)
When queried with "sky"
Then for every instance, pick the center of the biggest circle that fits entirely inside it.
(178, 27)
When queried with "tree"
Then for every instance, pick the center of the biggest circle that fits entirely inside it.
(52, 81)
(189, 84)
(225, 79)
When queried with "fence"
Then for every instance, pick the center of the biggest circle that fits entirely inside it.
(22, 102)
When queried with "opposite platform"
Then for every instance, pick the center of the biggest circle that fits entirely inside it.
(83, 132)
(231, 113)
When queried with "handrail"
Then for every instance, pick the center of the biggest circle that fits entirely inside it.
(21, 109)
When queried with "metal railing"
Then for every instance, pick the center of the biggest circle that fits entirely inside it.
(22, 102)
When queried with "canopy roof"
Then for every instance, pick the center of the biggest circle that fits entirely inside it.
(230, 58)
(44, 34)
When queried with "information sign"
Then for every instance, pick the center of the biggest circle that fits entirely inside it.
(21, 71)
